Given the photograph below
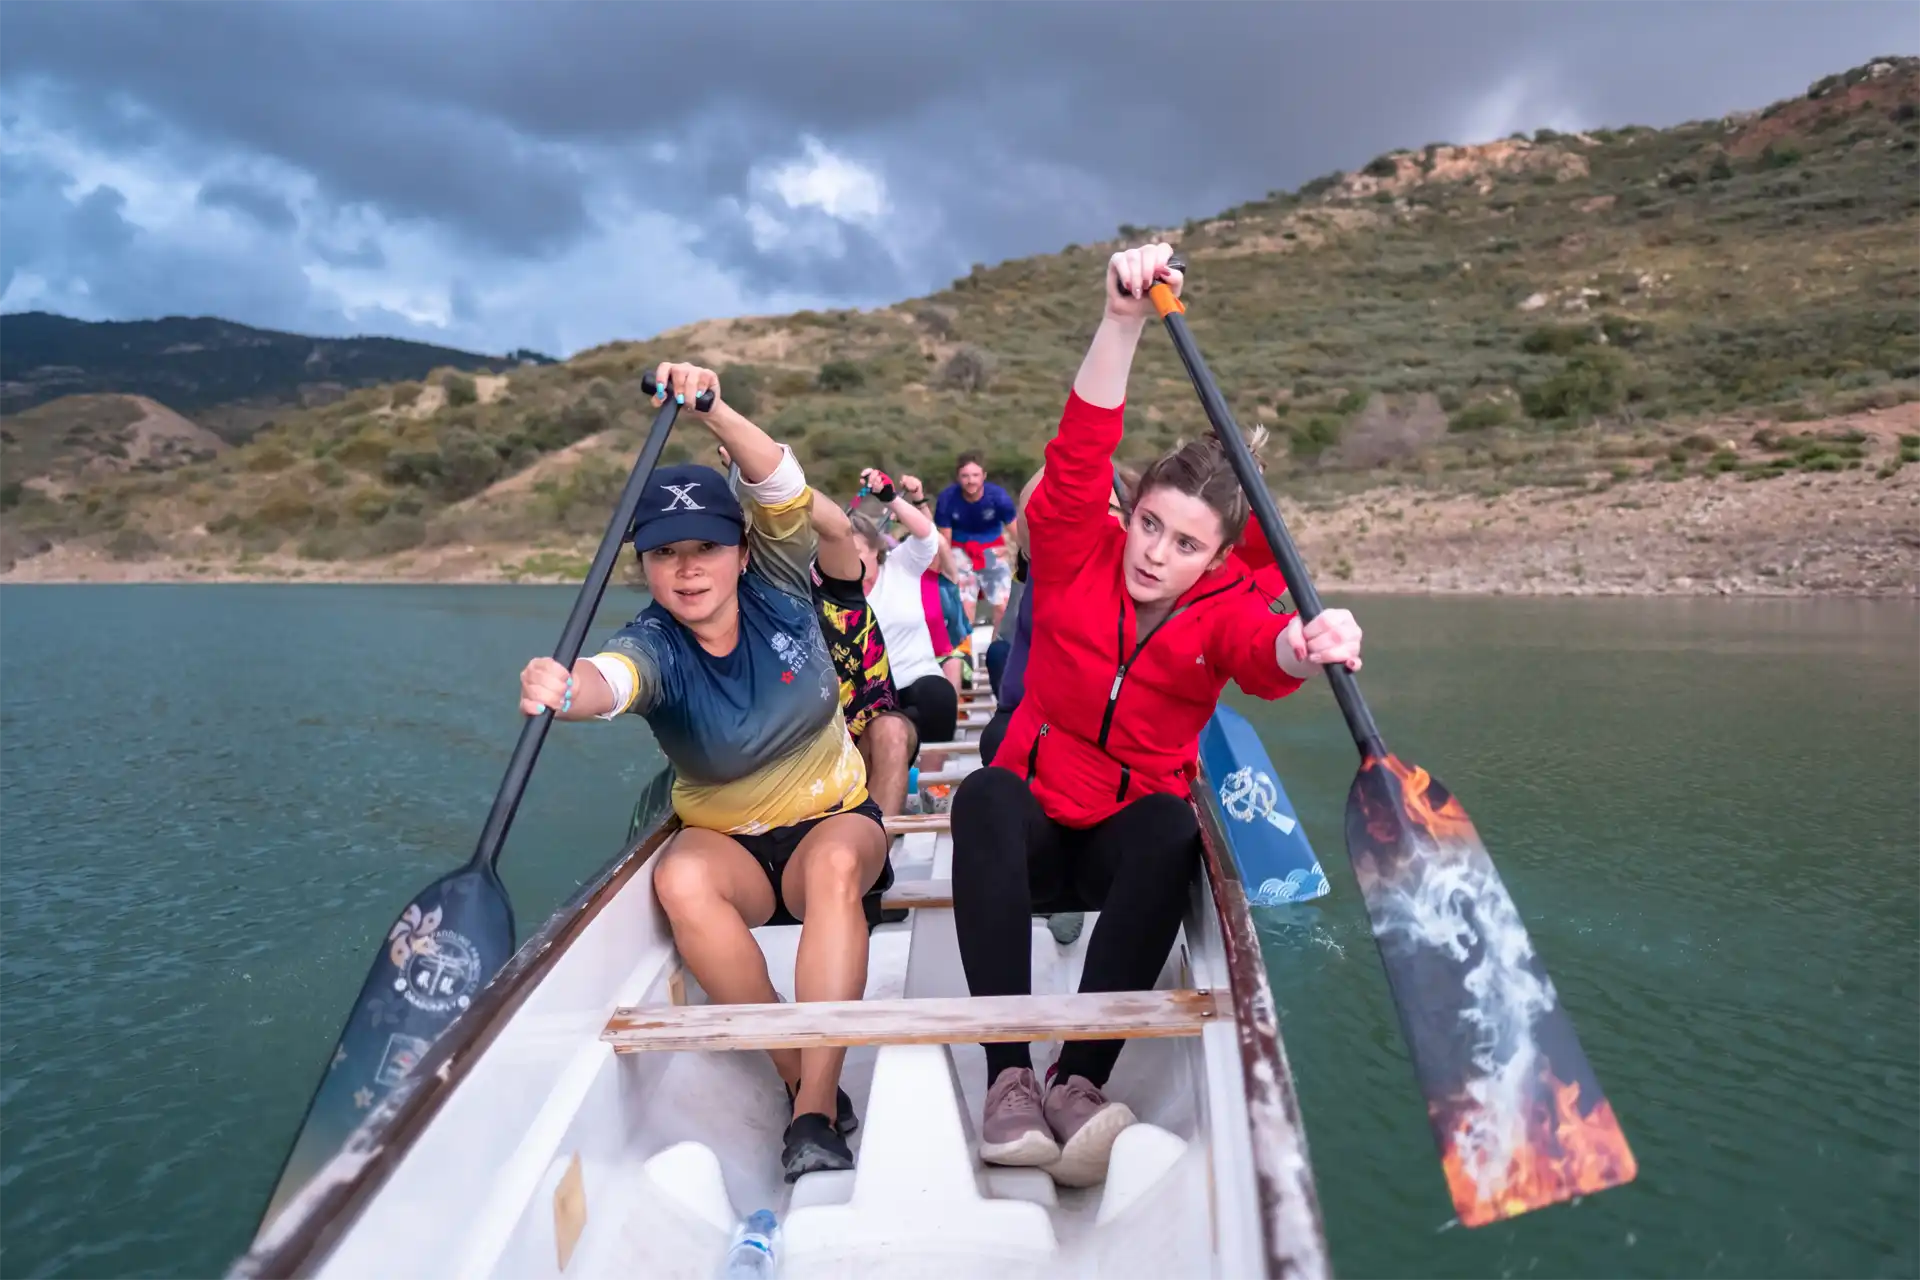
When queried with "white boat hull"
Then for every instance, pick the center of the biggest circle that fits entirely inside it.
(530, 1148)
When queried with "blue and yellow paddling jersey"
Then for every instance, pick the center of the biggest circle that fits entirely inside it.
(756, 737)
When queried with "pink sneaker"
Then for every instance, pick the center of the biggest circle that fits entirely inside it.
(1013, 1128)
(1087, 1126)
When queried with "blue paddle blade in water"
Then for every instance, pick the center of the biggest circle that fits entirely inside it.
(1276, 862)
(452, 938)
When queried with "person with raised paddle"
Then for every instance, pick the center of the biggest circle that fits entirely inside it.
(1137, 630)
(729, 668)
(891, 580)
(1517, 1114)
(886, 735)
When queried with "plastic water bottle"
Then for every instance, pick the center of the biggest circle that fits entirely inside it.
(913, 788)
(752, 1255)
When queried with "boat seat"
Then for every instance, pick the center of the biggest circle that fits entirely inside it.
(1087, 1015)
(916, 1199)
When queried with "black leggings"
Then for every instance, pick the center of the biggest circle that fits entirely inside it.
(991, 735)
(933, 704)
(1010, 860)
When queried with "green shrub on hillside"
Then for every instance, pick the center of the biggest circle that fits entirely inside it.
(1480, 415)
(937, 321)
(1308, 439)
(366, 449)
(841, 375)
(460, 390)
(272, 456)
(1555, 339)
(468, 464)
(1592, 381)
(397, 532)
(283, 510)
(742, 385)
(967, 370)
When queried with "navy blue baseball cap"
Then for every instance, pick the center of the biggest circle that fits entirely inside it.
(687, 501)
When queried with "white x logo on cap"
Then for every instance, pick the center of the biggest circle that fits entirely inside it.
(682, 497)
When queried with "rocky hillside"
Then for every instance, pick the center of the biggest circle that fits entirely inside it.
(1719, 303)
(228, 375)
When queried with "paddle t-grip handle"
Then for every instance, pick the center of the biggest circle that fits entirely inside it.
(703, 402)
(533, 733)
(1346, 691)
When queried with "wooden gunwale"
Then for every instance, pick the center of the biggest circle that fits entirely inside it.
(1293, 1237)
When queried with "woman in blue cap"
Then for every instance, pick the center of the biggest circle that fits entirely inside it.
(729, 668)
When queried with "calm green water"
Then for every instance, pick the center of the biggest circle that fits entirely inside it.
(213, 798)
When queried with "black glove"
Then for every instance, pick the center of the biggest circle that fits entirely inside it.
(884, 491)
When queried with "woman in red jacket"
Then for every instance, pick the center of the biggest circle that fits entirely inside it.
(1136, 631)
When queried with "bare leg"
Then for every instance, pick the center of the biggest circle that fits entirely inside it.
(714, 893)
(886, 746)
(823, 882)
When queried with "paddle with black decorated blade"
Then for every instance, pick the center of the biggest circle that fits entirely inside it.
(457, 932)
(1516, 1112)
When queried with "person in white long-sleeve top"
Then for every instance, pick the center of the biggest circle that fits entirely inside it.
(892, 586)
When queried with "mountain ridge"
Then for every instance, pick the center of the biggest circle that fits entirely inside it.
(204, 365)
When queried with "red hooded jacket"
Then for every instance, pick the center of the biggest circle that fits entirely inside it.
(1110, 716)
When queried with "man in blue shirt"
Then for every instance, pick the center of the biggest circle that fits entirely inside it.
(977, 517)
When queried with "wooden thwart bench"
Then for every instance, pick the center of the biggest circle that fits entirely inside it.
(1099, 1015)
(919, 895)
(909, 824)
(969, 748)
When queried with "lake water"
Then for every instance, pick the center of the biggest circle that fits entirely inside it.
(213, 799)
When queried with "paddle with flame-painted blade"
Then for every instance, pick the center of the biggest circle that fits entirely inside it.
(457, 932)
(1518, 1116)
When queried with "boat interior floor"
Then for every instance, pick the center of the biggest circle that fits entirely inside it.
(704, 1133)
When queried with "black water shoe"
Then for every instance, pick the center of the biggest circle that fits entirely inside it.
(813, 1146)
(844, 1120)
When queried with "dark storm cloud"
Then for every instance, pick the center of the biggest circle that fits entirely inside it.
(98, 224)
(999, 130)
(265, 207)
(367, 253)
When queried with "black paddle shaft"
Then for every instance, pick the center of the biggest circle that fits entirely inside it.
(533, 733)
(1346, 690)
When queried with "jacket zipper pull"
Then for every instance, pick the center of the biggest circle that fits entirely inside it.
(1118, 676)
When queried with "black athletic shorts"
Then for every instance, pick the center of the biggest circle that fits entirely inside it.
(774, 849)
